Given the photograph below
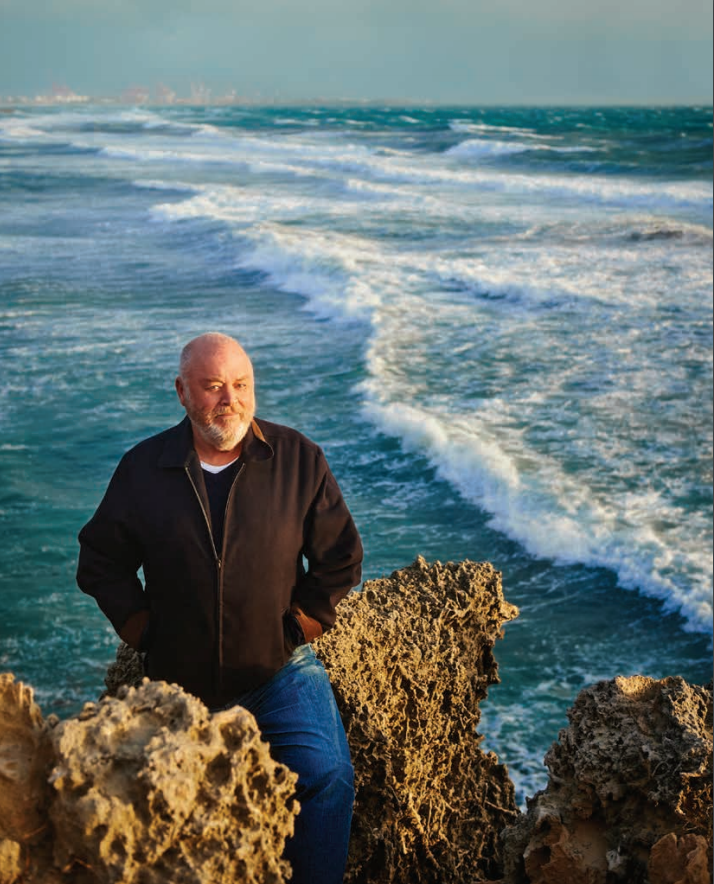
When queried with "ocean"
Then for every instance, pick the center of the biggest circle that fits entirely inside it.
(497, 323)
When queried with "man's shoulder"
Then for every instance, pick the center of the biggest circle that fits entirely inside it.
(151, 448)
(279, 434)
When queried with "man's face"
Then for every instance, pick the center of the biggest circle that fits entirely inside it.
(218, 393)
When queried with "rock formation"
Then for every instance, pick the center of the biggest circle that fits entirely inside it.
(148, 788)
(25, 753)
(630, 792)
(126, 671)
(410, 662)
(25, 757)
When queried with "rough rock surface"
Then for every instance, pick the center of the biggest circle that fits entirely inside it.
(682, 860)
(151, 788)
(25, 760)
(410, 661)
(630, 792)
(127, 670)
(25, 756)
(148, 788)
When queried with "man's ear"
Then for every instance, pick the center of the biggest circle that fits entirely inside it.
(180, 391)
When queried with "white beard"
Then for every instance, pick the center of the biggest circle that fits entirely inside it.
(221, 436)
(225, 438)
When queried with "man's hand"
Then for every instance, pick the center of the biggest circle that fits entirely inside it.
(299, 629)
(310, 628)
(133, 629)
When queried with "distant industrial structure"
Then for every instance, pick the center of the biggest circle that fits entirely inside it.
(57, 95)
(159, 95)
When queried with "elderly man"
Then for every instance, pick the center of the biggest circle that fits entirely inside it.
(222, 512)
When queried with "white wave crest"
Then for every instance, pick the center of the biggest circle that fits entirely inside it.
(467, 127)
(18, 130)
(476, 148)
(552, 516)
(340, 275)
(174, 186)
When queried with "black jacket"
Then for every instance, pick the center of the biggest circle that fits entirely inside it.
(217, 625)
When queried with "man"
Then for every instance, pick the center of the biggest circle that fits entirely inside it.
(222, 512)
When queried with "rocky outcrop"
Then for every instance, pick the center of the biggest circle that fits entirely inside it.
(147, 788)
(25, 759)
(25, 754)
(630, 792)
(410, 662)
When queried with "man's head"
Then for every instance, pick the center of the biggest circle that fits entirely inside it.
(216, 387)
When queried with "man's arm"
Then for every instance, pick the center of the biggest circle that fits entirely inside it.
(334, 553)
(110, 557)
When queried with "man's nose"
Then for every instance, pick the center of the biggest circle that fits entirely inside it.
(230, 396)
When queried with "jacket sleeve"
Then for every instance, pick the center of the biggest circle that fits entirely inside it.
(333, 550)
(111, 555)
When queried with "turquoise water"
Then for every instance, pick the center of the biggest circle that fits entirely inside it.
(498, 324)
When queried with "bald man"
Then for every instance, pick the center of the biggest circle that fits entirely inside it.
(247, 547)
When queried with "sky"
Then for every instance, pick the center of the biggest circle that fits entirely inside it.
(447, 51)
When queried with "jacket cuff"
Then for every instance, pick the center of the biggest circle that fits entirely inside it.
(311, 628)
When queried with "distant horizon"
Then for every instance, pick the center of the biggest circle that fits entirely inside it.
(46, 100)
(496, 53)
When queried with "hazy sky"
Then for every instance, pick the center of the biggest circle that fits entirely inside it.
(471, 51)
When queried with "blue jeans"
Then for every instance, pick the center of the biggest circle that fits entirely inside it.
(297, 715)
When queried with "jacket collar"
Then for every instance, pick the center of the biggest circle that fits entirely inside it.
(179, 451)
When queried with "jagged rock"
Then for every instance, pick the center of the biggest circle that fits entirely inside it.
(629, 777)
(150, 788)
(25, 755)
(680, 860)
(410, 661)
(127, 669)
(145, 788)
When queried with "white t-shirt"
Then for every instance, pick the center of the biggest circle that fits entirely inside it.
(209, 468)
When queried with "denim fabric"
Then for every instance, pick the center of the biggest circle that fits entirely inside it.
(298, 717)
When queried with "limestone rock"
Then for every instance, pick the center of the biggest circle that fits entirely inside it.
(150, 788)
(10, 861)
(24, 761)
(410, 661)
(629, 777)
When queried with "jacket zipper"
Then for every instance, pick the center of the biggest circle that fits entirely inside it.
(219, 566)
(220, 581)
